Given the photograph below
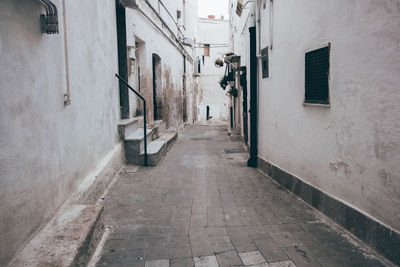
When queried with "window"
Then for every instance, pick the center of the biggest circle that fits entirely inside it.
(198, 65)
(265, 63)
(317, 76)
(207, 50)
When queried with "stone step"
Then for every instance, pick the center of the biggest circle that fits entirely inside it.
(170, 138)
(156, 150)
(127, 127)
(67, 240)
(134, 143)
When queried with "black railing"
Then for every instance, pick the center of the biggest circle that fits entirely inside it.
(144, 116)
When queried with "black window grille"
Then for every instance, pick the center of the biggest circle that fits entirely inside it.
(317, 76)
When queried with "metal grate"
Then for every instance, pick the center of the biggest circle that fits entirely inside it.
(234, 150)
(200, 138)
(317, 76)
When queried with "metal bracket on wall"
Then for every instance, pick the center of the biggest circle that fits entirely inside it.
(49, 21)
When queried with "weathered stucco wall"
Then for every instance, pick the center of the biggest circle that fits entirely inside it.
(350, 150)
(216, 34)
(45, 147)
(170, 97)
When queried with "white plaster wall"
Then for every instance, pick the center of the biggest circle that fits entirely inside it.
(216, 33)
(352, 149)
(154, 42)
(46, 148)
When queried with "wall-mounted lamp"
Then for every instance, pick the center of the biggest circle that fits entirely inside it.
(49, 21)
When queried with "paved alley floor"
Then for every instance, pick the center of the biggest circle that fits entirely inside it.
(202, 206)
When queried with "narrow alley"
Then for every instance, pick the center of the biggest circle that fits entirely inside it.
(202, 206)
(199, 133)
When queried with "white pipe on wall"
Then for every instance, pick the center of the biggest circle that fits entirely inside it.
(271, 21)
(67, 95)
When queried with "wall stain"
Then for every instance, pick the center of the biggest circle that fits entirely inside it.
(340, 168)
(392, 189)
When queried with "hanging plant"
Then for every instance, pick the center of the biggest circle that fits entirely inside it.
(233, 91)
(230, 73)
(219, 63)
(223, 82)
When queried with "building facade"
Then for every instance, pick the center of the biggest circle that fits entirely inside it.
(212, 43)
(327, 106)
(61, 101)
(161, 60)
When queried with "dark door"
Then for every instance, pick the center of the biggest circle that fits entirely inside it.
(243, 84)
(157, 88)
(252, 162)
(122, 60)
(184, 104)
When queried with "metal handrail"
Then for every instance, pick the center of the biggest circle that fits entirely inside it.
(144, 115)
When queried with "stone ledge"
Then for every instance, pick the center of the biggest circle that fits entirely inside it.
(67, 240)
(379, 237)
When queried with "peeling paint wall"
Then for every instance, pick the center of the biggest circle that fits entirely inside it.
(350, 150)
(45, 147)
(170, 98)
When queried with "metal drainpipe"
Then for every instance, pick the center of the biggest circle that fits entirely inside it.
(271, 21)
(67, 95)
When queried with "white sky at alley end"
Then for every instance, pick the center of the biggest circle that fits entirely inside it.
(214, 7)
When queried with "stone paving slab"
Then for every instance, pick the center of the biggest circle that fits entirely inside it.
(202, 206)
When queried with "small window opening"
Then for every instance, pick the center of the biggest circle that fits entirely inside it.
(198, 66)
(265, 62)
(207, 50)
(317, 76)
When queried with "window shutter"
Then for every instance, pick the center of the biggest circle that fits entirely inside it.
(317, 76)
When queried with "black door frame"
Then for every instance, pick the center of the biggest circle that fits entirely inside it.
(184, 104)
(243, 84)
(156, 82)
(252, 162)
(122, 59)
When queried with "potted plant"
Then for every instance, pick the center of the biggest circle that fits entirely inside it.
(223, 82)
(219, 63)
(230, 73)
(232, 91)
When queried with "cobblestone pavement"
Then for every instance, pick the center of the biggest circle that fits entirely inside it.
(203, 207)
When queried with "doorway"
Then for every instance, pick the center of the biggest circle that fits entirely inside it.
(243, 84)
(157, 88)
(184, 104)
(252, 162)
(122, 59)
